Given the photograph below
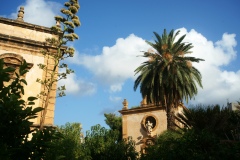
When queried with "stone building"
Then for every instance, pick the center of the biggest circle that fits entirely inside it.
(24, 41)
(233, 106)
(144, 123)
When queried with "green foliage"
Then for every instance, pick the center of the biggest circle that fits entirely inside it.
(168, 76)
(15, 119)
(69, 145)
(214, 119)
(169, 70)
(99, 143)
(115, 123)
(14, 113)
(64, 29)
(103, 144)
(41, 142)
(207, 134)
(192, 145)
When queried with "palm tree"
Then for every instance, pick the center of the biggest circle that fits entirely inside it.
(168, 77)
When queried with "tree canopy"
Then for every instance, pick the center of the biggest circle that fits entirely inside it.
(168, 76)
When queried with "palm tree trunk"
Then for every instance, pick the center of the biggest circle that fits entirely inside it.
(170, 116)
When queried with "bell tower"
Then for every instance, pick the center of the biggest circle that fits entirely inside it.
(143, 123)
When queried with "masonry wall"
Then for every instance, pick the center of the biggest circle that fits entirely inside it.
(133, 125)
(27, 40)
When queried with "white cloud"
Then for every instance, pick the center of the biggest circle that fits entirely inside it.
(39, 12)
(115, 99)
(218, 85)
(77, 86)
(42, 12)
(115, 64)
(116, 87)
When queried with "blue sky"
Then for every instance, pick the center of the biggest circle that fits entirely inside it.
(113, 34)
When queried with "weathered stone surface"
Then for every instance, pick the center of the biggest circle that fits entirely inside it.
(134, 123)
(27, 40)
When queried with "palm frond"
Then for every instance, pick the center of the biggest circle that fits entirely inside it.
(167, 78)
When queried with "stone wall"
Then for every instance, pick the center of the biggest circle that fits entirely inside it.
(144, 123)
(27, 40)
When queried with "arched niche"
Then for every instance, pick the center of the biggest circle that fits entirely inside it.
(151, 119)
(14, 60)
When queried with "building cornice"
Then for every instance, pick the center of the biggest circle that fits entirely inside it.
(26, 43)
(140, 109)
(7, 38)
(25, 25)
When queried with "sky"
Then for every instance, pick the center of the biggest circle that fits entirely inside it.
(112, 37)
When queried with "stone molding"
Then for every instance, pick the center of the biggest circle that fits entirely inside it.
(12, 59)
(25, 25)
(140, 110)
(22, 42)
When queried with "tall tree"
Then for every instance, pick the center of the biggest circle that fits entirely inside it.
(114, 122)
(209, 132)
(168, 77)
(101, 143)
(64, 30)
(217, 120)
(69, 145)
